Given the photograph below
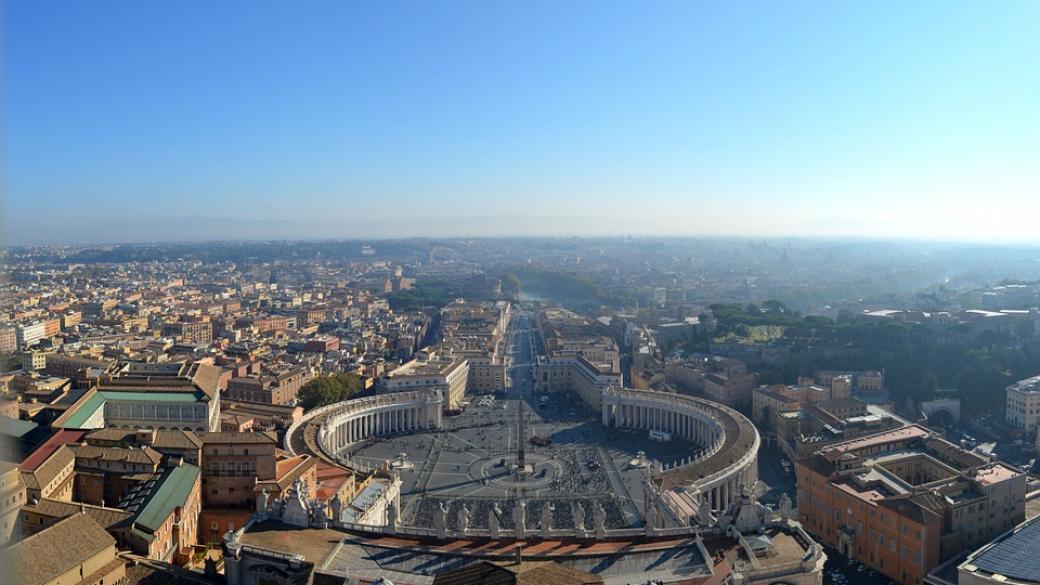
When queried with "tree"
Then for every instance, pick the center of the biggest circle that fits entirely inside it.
(510, 284)
(1024, 328)
(325, 390)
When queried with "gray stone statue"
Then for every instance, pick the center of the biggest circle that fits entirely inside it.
(463, 519)
(337, 508)
(519, 518)
(261, 501)
(393, 512)
(578, 512)
(785, 508)
(704, 516)
(599, 520)
(297, 506)
(276, 509)
(545, 522)
(494, 521)
(319, 515)
(651, 518)
(440, 520)
(768, 516)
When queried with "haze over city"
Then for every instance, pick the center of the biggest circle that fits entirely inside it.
(508, 293)
(158, 121)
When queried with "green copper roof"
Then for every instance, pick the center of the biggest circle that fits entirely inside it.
(157, 499)
(153, 396)
(87, 408)
(82, 412)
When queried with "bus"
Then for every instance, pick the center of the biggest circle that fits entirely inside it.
(660, 436)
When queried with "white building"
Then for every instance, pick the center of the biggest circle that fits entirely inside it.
(1023, 405)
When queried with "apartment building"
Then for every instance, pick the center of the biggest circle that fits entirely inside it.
(271, 387)
(190, 332)
(430, 371)
(724, 380)
(578, 358)
(49, 470)
(12, 498)
(70, 366)
(474, 331)
(233, 465)
(164, 514)
(1023, 405)
(905, 500)
(29, 333)
(575, 373)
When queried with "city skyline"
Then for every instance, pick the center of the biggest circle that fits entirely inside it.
(351, 121)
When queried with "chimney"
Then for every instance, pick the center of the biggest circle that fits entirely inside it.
(519, 553)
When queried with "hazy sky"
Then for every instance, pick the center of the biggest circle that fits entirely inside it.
(161, 119)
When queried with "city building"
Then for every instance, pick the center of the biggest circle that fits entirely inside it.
(162, 396)
(42, 514)
(48, 472)
(1023, 405)
(72, 551)
(192, 333)
(271, 387)
(12, 498)
(164, 513)
(905, 500)
(575, 373)
(104, 474)
(430, 372)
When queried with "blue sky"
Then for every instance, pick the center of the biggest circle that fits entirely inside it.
(135, 120)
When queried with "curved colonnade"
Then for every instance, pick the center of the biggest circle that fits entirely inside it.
(715, 473)
(729, 456)
(326, 431)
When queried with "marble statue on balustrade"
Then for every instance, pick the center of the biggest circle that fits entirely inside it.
(261, 502)
(297, 506)
(440, 520)
(599, 520)
(463, 519)
(705, 519)
(578, 512)
(785, 508)
(650, 517)
(393, 513)
(545, 522)
(494, 521)
(519, 518)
